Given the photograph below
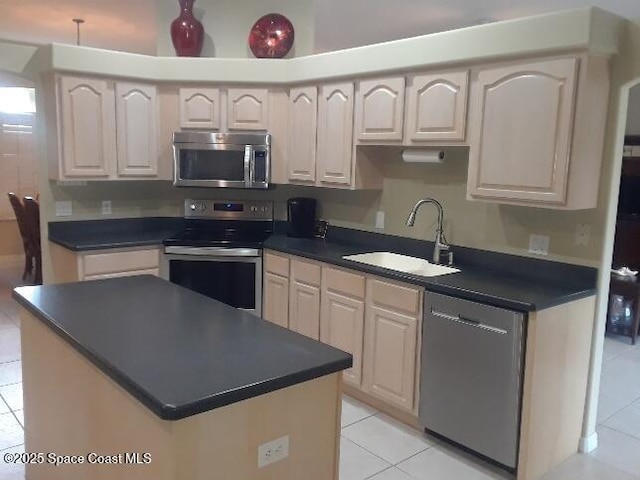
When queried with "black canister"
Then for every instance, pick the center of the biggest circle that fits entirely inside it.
(301, 215)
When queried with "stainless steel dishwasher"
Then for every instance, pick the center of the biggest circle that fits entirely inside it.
(470, 381)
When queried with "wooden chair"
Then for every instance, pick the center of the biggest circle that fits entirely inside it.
(18, 210)
(32, 230)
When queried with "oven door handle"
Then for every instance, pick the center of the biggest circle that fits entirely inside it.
(213, 251)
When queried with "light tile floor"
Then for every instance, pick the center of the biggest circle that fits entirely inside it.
(376, 447)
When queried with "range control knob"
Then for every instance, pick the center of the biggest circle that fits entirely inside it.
(254, 208)
(192, 207)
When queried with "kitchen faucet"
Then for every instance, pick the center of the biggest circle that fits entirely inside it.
(440, 240)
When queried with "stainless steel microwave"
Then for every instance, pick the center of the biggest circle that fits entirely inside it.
(227, 160)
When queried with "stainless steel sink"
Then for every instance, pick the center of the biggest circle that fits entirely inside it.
(402, 263)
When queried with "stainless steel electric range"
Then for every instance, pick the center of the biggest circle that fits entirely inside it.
(219, 251)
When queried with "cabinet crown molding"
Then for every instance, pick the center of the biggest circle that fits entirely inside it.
(585, 30)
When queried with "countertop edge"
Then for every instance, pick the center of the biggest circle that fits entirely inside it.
(178, 412)
(74, 247)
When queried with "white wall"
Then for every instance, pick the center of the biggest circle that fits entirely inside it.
(227, 24)
(633, 113)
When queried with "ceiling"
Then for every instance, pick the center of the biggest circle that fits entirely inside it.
(131, 25)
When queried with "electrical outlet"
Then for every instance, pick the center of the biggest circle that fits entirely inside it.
(64, 208)
(273, 451)
(539, 244)
(106, 207)
(380, 220)
(583, 234)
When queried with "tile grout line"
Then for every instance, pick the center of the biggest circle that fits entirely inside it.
(386, 461)
(602, 462)
(357, 421)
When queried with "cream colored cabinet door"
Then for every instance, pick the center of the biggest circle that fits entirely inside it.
(436, 107)
(200, 108)
(391, 342)
(335, 134)
(380, 109)
(342, 326)
(247, 109)
(303, 112)
(304, 309)
(137, 128)
(276, 299)
(521, 137)
(390, 356)
(88, 131)
(304, 297)
(342, 316)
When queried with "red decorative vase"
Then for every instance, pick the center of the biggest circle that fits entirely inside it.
(187, 33)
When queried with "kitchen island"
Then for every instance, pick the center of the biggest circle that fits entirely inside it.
(194, 387)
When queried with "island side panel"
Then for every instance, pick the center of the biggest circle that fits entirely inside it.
(226, 440)
(555, 385)
(72, 408)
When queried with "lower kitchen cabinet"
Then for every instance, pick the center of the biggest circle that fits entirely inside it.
(69, 266)
(304, 309)
(275, 307)
(304, 298)
(378, 321)
(342, 317)
(393, 322)
(390, 350)
(275, 294)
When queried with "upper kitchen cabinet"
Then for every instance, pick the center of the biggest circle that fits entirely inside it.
(538, 132)
(106, 130)
(87, 128)
(137, 129)
(247, 109)
(380, 110)
(436, 107)
(200, 108)
(335, 134)
(303, 111)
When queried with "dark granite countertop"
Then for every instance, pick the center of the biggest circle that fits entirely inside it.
(508, 281)
(551, 285)
(113, 233)
(178, 352)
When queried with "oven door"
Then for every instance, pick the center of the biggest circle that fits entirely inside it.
(229, 275)
(212, 165)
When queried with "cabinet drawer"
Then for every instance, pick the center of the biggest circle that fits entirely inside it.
(151, 271)
(104, 263)
(392, 296)
(345, 283)
(276, 264)
(305, 272)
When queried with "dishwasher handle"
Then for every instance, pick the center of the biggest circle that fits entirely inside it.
(469, 322)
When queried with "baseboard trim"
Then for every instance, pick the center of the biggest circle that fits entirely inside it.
(11, 261)
(588, 444)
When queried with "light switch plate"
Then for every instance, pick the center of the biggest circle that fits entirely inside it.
(106, 207)
(539, 244)
(583, 234)
(64, 208)
(380, 220)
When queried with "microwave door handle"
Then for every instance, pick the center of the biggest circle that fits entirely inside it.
(252, 168)
(248, 154)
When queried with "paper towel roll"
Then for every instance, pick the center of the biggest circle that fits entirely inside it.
(423, 156)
